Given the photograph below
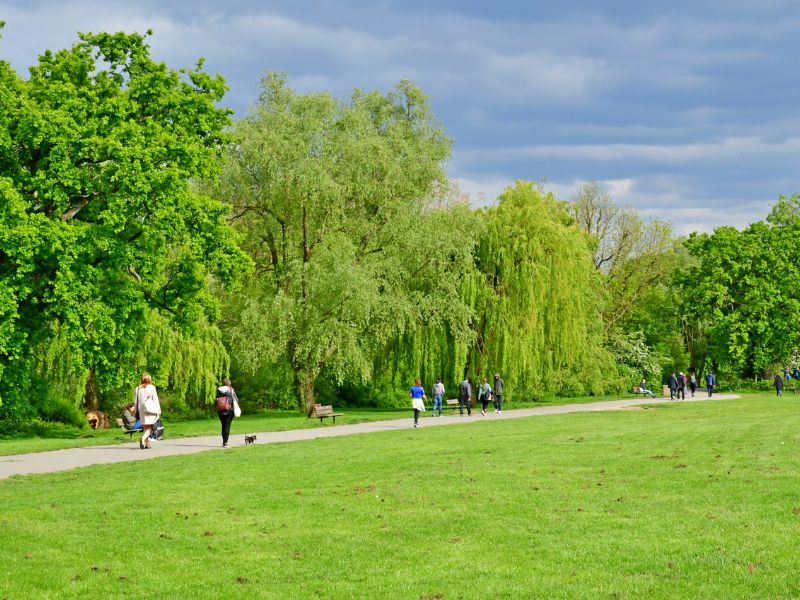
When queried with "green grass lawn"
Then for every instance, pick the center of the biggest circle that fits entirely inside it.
(695, 500)
(262, 421)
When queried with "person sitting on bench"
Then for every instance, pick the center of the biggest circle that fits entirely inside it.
(643, 388)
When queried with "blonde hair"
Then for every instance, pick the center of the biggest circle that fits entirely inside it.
(146, 378)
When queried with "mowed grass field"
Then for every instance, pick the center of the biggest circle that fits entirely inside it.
(695, 500)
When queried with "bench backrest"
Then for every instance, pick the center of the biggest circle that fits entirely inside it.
(452, 401)
(323, 411)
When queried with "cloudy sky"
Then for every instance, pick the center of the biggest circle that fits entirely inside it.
(688, 113)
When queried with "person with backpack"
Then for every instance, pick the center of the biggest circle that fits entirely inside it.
(227, 405)
(692, 383)
(438, 394)
(148, 407)
(499, 386)
(465, 397)
(681, 386)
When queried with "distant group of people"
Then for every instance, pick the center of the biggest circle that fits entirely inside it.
(486, 393)
(678, 384)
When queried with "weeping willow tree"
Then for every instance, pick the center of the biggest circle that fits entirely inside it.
(186, 367)
(538, 300)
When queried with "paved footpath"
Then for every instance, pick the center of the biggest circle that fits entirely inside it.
(63, 460)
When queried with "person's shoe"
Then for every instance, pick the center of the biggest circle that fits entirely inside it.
(224, 445)
(141, 445)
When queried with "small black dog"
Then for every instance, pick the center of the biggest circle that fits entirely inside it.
(249, 439)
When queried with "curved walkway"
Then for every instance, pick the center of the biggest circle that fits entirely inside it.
(63, 460)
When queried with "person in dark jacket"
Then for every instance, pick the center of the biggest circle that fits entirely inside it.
(778, 384)
(673, 386)
(226, 416)
(465, 397)
(710, 383)
(499, 386)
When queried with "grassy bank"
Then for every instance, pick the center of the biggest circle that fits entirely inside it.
(677, 501)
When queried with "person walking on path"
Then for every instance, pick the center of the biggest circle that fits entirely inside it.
(711, 381)
(692, 383)
(778, 384)
(418, 398)
(673, 385)
(465, 397)
(499, 385)
(484, 392)
(149, 408)
(681, 386)
(643, 388)
(227, 402)
(438, 394)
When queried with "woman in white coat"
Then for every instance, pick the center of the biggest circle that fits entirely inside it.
(149, 409)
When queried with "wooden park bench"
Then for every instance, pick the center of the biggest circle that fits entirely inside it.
(452, 403)
(323, 412)
(636, 391)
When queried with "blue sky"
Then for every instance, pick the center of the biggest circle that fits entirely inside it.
(690, 112)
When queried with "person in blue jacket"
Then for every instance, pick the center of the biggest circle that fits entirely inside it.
(710, 382)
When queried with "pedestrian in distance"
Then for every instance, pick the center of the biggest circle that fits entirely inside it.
(711, 381)
(499, 386)
(681, 386)
(438, 394)
(148, 407)
(465, 397)
(673, 385)
(484, 393)
(778, 384)
(418, 398)
(692, 383)
(643, 388)
(227, 406)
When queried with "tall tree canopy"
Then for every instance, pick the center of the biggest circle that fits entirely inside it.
(633, 255)
(744, 289)
(538, 299)
(98, 221)
(332, 198)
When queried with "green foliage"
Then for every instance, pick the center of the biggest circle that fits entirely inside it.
(539, 298)
(99, 226)
(744, 287)
(633, 256)
(785, 212)
(331, 200)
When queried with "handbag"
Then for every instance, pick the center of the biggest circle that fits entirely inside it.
(237, 412)
(150, 406)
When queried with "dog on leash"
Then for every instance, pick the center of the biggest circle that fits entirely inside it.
(249, 439)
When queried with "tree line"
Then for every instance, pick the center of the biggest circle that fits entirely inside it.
(314, 248)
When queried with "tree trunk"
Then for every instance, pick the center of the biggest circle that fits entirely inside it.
(90, 398)
(304, 383)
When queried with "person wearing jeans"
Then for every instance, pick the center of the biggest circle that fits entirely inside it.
(710, 381)
(499, 385)
(438, 394)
